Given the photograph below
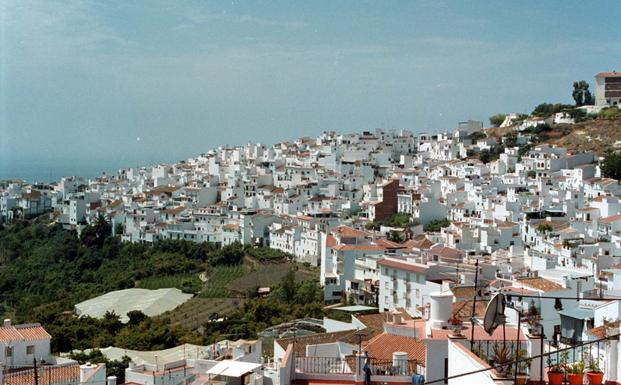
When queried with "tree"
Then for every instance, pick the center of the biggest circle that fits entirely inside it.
(437, 224)
(395, 236)
(113, 367)
(96, 233)
(496, 120)
(581, 93)
(546, 109)
(111, 322)
(544, 228)
(288, 286)
(510, 140)
(577, 114)
(485, 156)
(611, 165)
(478, 135)
(135, 317)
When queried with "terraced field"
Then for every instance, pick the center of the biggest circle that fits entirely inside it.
(265, 275)
(219, 279)
(177, 281)
(195, 313)
(225, 290)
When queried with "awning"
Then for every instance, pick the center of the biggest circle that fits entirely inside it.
(230, 368)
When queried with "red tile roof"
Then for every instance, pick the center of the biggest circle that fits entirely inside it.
(613, 74)
(66, 374)
(373, 321)
(384, 345)
(389, 244)
(611, 219)
(423, 243)
(446, 252)
(369, 247)
(25, 332)
(539, 283)
(406, 266)
(463, 309)
(348, 232)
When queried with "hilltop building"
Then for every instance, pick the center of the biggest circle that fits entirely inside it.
(608, 88)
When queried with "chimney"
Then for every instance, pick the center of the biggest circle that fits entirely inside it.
(86, 370)
(440, 308)
(397, 317)
(7, 323)
(111, 380)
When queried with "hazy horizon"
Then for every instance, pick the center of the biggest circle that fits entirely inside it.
(84, 84)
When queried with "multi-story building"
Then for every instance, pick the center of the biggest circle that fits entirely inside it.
(608, 88)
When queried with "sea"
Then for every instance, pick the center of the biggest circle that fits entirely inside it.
(52, 169)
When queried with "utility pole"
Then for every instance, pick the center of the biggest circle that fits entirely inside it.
(36, 371)
(474, 303)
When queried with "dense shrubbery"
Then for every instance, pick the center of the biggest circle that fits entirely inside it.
(609, 113)
(49, 269)
(290, 300)
(437, 224)
(45, 270)
(546, 109)
(611, 165)
(140, 333)
(496, 120)
(267, 254)
(395, 220)
(487, 156)
(478, 135)
(113, 367)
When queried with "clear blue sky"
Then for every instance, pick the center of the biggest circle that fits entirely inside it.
(82, 81)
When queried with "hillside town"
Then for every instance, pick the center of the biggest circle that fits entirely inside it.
(413, 235)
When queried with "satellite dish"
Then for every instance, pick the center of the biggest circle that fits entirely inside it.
(494, 313)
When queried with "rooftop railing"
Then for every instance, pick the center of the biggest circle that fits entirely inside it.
(349, 365)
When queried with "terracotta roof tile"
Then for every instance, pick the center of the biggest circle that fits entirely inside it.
(541, 284)
(25, 332)
(348, 232)
(67, 374)
(406, 266)
(610, 219)
(384, 345)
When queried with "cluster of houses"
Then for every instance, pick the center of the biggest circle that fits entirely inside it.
(542, 227)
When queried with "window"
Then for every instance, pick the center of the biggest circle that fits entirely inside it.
(8, 352)
(30, 349)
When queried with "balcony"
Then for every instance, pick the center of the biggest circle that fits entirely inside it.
(489, 362)
(350, 364)
(347, 370)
